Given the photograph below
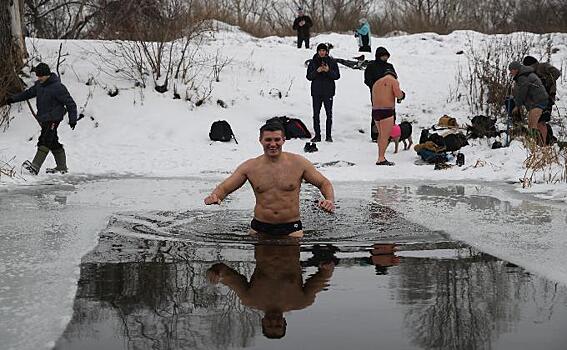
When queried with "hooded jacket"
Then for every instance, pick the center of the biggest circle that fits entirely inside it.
(529, 90)
(52, 100)
(323, 83)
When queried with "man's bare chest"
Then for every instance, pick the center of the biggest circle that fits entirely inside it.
(275, 178)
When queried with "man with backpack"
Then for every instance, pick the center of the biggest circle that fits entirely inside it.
(276, 178)
(530, 92)
(548, 75)
(53, 101)
(322, 71)
(302, 24)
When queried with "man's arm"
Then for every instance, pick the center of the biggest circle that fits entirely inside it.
(296, 24)
(334, 70)
(24, 95)
(398, 93)
(320, 280)
(220, 272)
(308, 22)
(62, 95)
(311, 70)
(231, 184)
(314, 177)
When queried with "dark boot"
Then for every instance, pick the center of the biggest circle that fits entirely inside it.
(38, 159)
(60, 161)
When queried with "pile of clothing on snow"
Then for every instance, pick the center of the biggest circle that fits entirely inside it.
(443, 141)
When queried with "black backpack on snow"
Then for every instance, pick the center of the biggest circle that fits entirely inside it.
(221, 131)
(482, 126)
(293, 127)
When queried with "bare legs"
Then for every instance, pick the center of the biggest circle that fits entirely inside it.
(384, 129)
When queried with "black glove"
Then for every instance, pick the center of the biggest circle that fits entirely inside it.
(9, 100)
(400, 99)
(72, 125)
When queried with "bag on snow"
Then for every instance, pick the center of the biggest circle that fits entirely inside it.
(482, 126)
(293, 127)
(221, 131)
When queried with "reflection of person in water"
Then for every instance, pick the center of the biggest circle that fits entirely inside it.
(383, 257)
(276, 285)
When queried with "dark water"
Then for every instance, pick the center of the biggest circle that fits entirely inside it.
(197, 280)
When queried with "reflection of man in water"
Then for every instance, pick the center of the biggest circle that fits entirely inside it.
(276, 179)
(276, 286)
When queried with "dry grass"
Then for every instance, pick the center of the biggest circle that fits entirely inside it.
(547, 163)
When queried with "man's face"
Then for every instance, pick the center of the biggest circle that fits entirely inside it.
(513, 72)
(322, 52)
(300, 13)
(272, 142)
(274, 325)
(384, 58)
(42, 78)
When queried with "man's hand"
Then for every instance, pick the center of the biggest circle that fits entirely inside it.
(325, 67)
(327, 205)
(214, 273)
(212, 199)
(301, 23)
(72, 125)
(400, 99)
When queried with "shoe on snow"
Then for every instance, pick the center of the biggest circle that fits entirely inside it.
(55, 171)
(30, 167)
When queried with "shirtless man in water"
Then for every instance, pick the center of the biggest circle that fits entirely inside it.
(276, 179)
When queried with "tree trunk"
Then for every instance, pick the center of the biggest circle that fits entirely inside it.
(12, 46)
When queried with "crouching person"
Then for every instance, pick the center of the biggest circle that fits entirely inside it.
(52, 101)
(530, 92)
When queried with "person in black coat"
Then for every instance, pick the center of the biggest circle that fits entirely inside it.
(322, 72)
(302, 24)
(52, 101)
(377, 68)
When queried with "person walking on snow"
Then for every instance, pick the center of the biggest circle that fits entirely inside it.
(385, 92)
(302, 24)
(52, 101)
(363, 35)
(322, 71)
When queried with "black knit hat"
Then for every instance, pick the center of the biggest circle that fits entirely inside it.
(529, 60)
(42, 70)
(381, 51)
(322, 47)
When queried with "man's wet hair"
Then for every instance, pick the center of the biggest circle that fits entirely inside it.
(272, 126)
(270, 335)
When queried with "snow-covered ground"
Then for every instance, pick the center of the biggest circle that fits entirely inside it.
(150, 134)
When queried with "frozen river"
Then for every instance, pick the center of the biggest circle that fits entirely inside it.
(121, 263)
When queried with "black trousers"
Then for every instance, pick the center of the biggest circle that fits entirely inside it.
(48, 136)
(300, 39)
(319, 101)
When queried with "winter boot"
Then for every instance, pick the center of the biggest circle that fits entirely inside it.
(40, 155)
(60, 161)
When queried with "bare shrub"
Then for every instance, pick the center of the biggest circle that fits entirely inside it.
(485, 82)
(549, 162)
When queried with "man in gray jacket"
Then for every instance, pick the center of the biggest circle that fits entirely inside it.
(530, 92)
(53, 101)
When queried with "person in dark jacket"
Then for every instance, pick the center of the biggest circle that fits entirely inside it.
(548, 75)
(52, 101)
(529, 92)
(302, 24)
(377, 68)
(322, 72)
